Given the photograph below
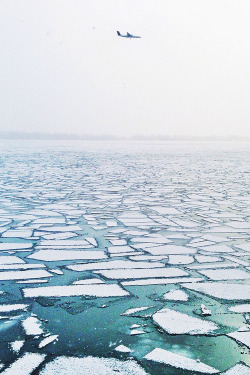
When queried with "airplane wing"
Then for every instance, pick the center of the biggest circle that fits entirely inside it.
(129, 35)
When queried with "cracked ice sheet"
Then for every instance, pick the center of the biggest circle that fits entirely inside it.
(180, 259)
(176, 295)
(218, 249)
(90, 366)
(66, 228)
(170, 249)
(56, 255)
(15, 307)
(21, 266)
(222, 290)
(179, 361)
(226, 274)
(78, 244)
(166, 210)
(242, 337)
(18, 233)
(14, 246)
(114, 264)
(25, 365)
(162, 281)
(98, 290)
(245, 308)
(20, 275)
(239, 369)
(10, 260)
(176, 323)
(134, 273)
(120, 249)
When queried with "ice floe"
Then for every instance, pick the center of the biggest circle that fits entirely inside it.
(32, 326)
(136, 273)
(162, 281)
(239, 369)
(20, 275)
(123, 349)
(226, 274)
(174, 322)
(114, 264)
(14, 307)
(245, 308)
(56, 255)
(222, 290)
(91, 365)
(176, 295)
(47, 340)
(16, 345)
(25, 365)
(241, 337)
(179, 361)
(136, 310)
(98, 290)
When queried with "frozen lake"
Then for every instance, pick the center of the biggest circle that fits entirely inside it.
(124, 258)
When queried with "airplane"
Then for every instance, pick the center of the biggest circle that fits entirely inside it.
(127, 35)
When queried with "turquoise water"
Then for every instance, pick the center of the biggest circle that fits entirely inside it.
(87, 184)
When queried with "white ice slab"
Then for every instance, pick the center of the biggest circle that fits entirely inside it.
(25, 365)
(114, 264)
(180, 259)
(65, 228)
(162, 281)
(32, 326)
(171, 249)
(18, 233)
(14, 307)
(176, 295)
(123, 349)
(47, 341)
(91, 366)
(20, 275)
(120, 249)
(135, 332)
(56, 255)
(136, 310)
(98, 290)
(218, 249)
(239, 369)
(77, 244)
(9, 259)
(226, 274)
(15, 246)
(242, 337)
(33, 281)
(207, 259)
(179, 361)
(174, 322)
(21, 266)
(16, 345)
(166, 210)
(88, 281)
(245, 246)
(245, 308)
(152, 258)
(134, 273)
(222, 290)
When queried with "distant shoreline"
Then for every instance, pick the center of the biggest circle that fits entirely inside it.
(12, 136)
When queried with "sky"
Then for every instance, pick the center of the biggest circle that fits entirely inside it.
(65, 70)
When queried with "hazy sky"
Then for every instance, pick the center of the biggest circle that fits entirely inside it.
(64, 69)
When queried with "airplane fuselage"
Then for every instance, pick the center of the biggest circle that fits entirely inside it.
(130, 36)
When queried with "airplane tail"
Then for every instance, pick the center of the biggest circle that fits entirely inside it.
(118, 33)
